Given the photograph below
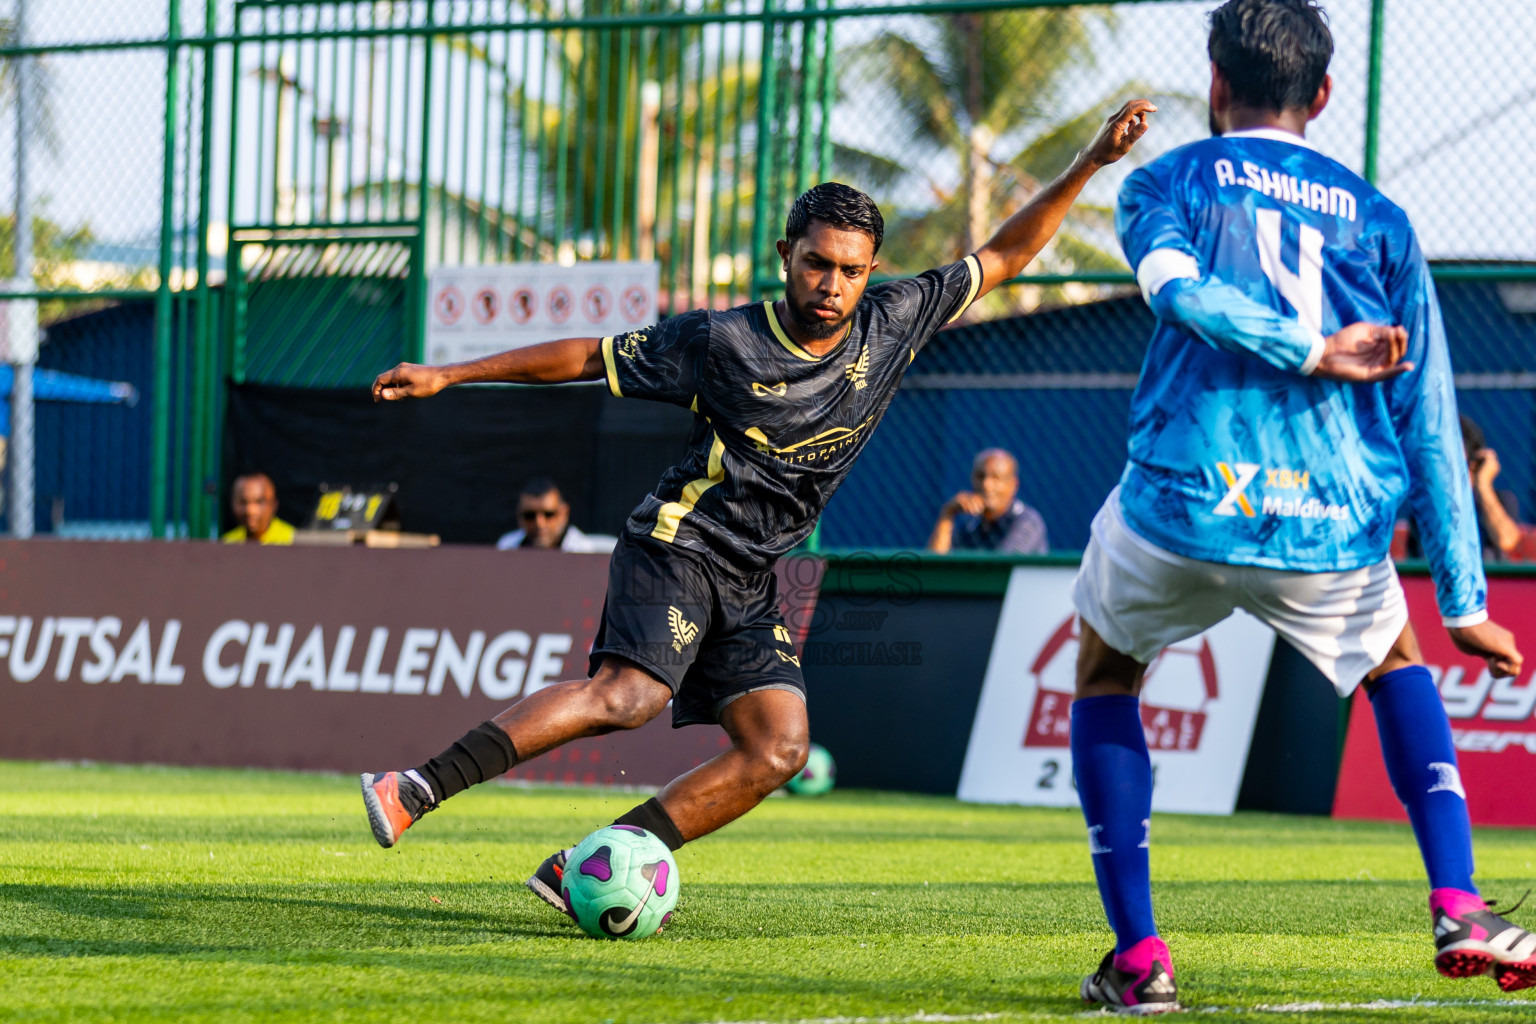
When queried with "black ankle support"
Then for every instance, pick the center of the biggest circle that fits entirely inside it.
(653, 817)
(484, 752)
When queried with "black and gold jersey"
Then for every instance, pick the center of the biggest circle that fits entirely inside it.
(775, 428)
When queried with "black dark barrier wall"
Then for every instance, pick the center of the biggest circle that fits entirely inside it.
(1293, 762)
(893, 685)
(899, 648)
(459, 458)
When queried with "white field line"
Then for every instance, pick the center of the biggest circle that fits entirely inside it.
(912, 1018)
(1377, 1004)
(1260, 1008)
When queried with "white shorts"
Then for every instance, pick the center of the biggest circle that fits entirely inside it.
(1140, 598)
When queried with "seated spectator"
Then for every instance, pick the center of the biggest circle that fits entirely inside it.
(254, 501)
(546, 519)
(990, 517)
(1504, 537)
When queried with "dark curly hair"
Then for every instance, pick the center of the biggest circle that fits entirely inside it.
(1274, 53)
(839, 205)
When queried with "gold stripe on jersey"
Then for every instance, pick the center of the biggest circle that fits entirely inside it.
(670, 516)
(611, 368)
(974, 266)
(784, 339)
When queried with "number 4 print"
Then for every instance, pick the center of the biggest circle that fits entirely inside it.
(1303, 288)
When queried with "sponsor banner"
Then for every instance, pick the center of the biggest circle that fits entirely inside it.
(479, 311)
(1197, 708)
(1493, 721)
(348, 659)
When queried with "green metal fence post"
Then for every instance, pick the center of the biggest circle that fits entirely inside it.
(416, 291)
(160, 436)
(766, 88)
(1373, 89)
(235, 311)
(200, 505)
(803, 165)
(828, 86)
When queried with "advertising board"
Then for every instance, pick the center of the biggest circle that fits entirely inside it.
(1493, 721)
(347, 659)
(1198, 706)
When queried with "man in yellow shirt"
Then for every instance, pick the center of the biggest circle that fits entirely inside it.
(254, 501)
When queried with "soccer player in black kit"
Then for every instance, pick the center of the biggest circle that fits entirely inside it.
(785, 395)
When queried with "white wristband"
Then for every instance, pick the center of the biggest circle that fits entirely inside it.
(1319, 345)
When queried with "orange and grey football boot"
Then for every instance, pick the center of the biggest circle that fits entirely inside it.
(394, 801)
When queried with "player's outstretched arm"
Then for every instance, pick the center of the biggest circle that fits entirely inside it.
(553, 362)
(1023, 235)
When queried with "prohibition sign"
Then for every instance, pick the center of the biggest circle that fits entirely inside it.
(524, 304)
(597, 303)
(486, 305)
(561, 303)
(634, 303)
(449, 305)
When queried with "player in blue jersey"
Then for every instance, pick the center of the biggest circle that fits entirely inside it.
(1297, 389)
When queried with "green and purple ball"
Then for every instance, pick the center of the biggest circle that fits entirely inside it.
(818, 776)
(620, 883)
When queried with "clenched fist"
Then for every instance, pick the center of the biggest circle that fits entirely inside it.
(408, 380)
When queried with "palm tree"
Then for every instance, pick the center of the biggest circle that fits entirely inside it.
(984, 93)
(625, 143)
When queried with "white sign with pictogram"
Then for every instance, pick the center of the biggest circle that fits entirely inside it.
(479, 311)
(1198, 706)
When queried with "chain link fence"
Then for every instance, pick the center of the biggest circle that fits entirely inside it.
(936, 116)
(329, 154)
(102, 258)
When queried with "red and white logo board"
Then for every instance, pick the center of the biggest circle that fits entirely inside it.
(1198, 706)
(1493, 721)
(515, 304)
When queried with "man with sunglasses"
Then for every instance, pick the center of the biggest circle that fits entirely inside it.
(545, 518)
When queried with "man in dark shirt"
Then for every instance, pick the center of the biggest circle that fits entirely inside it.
(546, 523)
(990, 516)
(785, 395)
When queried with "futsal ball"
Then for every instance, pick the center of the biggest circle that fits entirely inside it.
(620, 883)
(818, 776)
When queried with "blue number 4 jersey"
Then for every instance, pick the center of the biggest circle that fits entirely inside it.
(1249, 248)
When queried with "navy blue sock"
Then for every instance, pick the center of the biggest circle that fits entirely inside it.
(1421, 762)
(1114, 782)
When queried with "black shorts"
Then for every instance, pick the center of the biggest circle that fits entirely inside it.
(709, 633)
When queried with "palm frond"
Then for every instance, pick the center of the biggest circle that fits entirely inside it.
(918, 87)
(869, 170)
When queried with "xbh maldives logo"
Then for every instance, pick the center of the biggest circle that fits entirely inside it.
(1293, 501)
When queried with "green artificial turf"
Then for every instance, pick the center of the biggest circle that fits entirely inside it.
(199, 895)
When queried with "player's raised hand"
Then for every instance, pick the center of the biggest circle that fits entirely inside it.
(1120, 132)
(1364, 354)
(1491, 642)
(408, 380)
